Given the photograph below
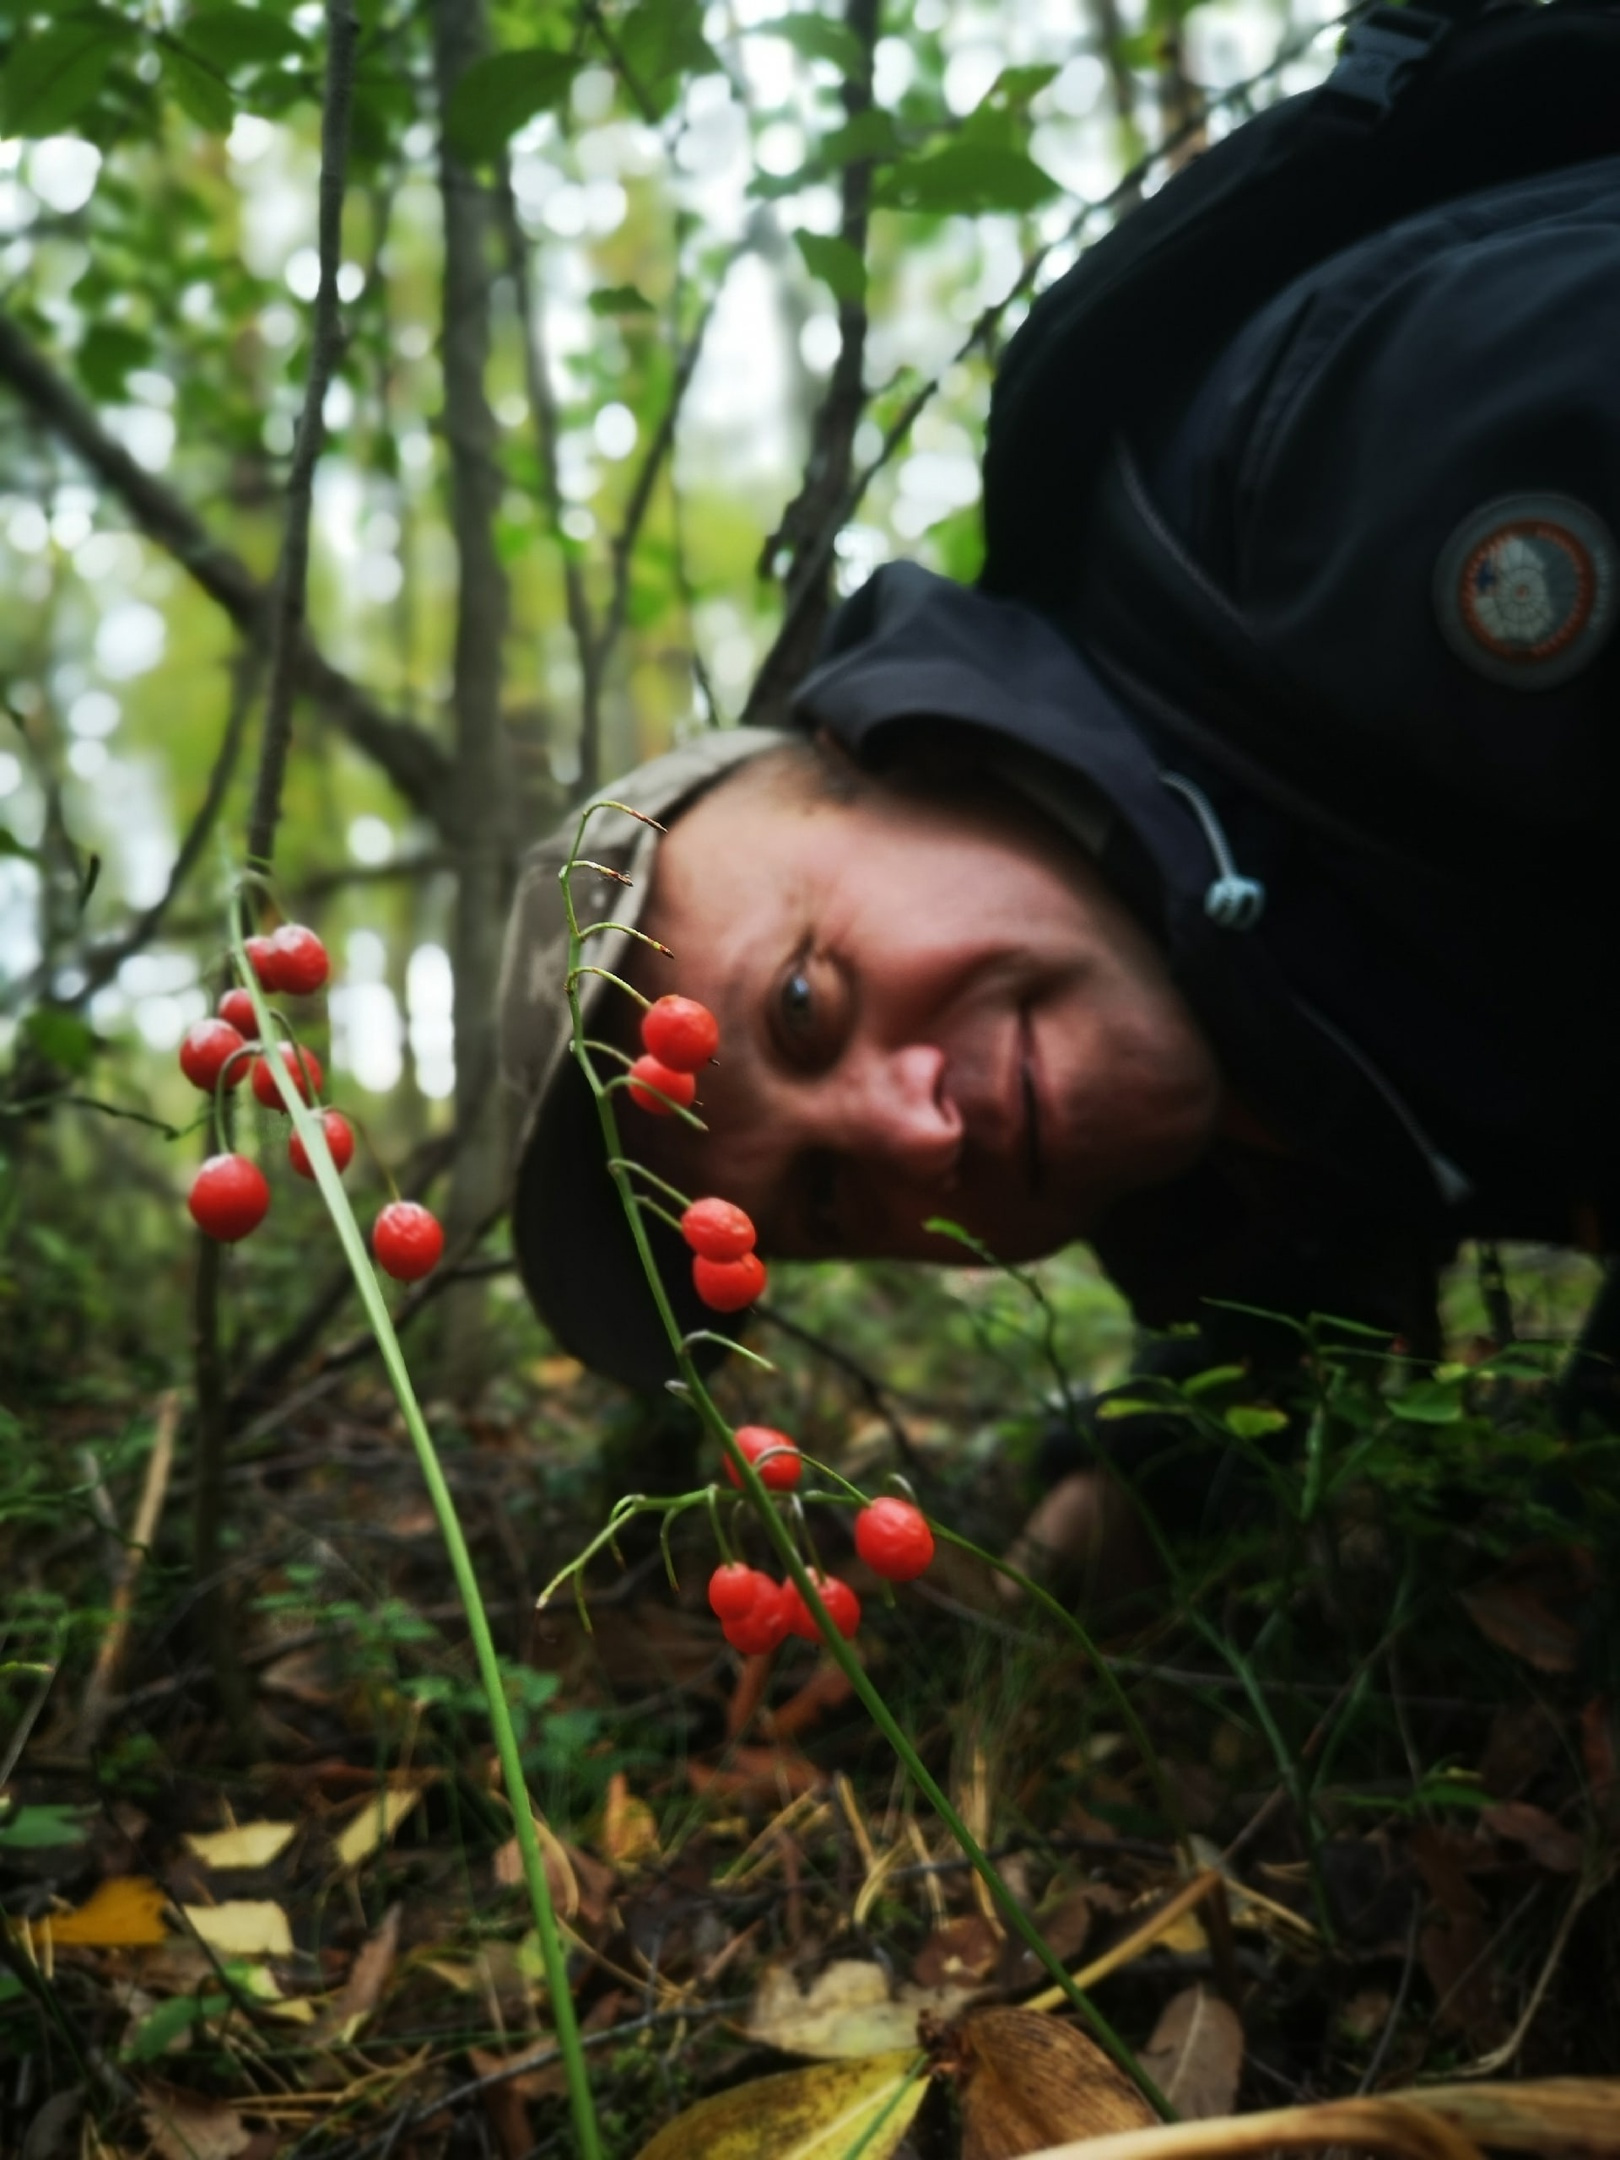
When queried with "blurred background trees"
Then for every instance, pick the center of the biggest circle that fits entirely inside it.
(663, 324)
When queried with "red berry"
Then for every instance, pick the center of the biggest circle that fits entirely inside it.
(265, 962)
(717, 1230)
(407, 1241)
(893, 1539)
(300, 960)
(647, 1074)
(303, 1068)
(728, 1285)
(843, 1607)
(339, 1138)
(229, 1197)
(781, 1472)
(205, 1051)
(735, 1589)
(237, 1008)
(682, 1032)
(764, 1625)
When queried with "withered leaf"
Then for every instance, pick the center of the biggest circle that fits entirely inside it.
(849, 2010)
(1195, 2056)
(821, 2113)
(368, 1976)
(1029, 2081)
(962, 1953)
(1544, 1838)
(185, 2126)
(1516, 1620)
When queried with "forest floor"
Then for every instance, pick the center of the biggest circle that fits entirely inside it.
(1378, 1702)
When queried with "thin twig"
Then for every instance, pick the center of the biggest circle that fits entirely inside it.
(98, 1694)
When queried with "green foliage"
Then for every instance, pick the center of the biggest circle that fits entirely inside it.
(498, 94)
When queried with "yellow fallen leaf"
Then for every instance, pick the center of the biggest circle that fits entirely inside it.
(629, 1827)
(376, 1823)
(244, 1845)
(260, 1982)
(821, 2113)
(243, 1927)
(849, 2010)
(127, 1910)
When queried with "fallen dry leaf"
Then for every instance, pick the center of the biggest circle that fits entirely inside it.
(1026, 2081)
(1065, 1926)
(368, 1976)
(822, 2113)
(376, 1823)
(1454, 1942)
(773, 1774)
(1195, 2056)
(850, 2009)
(629, 1827)
(244, 1845)
(243, 1927)
(183, 2126)
(124, 1912)
(1515, 1619)
(1544, 1838)
(962, 1953)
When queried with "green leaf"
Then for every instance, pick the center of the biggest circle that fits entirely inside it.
(157, 2032)
(1431, 1402)
(503, 92)
(11, 845)
(1017, 85)
(62, 1037)
(619, 300)
(107, 353)
(1250, 1420)
(658, 43)
(836, 263)
(51, 77)
(869, 135)
(1213, 1376)
(233, 37)
(34, 1829)
(818, 37)
(200, 91)
(965, 180)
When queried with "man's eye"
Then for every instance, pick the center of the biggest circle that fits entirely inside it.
(809, 1013)
(798, 1006)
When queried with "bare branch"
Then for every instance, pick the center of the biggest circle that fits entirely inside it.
(292, 575)
(410, 757)
(817, 512)
(103, 963)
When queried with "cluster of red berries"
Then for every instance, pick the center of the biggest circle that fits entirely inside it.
(757, 1613)
(230, 1195)
(681, 1036)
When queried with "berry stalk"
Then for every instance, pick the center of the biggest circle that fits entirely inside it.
(308, 1125)
(748, 1477)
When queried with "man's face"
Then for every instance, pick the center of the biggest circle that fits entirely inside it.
(926, 1008)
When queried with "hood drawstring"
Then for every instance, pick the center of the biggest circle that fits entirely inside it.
(1233, 901)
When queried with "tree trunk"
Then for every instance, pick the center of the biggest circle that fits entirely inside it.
(480, 838)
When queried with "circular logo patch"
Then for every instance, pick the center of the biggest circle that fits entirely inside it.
(1525, 589)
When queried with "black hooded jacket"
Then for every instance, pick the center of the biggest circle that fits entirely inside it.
(1288, 656)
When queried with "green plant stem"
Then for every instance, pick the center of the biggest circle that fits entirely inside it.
(1017, 1920)
(310, 1130)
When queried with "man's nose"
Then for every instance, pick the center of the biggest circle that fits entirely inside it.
(896, 1111)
